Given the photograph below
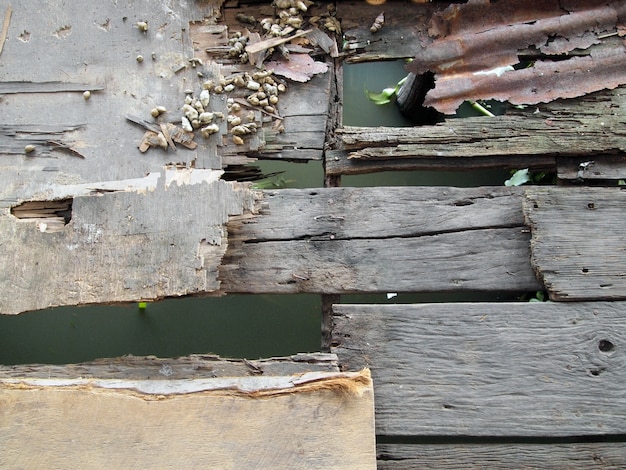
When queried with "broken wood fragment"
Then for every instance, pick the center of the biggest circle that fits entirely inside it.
(5, 26)
(273, 42)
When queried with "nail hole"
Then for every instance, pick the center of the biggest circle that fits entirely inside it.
(605, 345)
(591, 205)
(585, 270)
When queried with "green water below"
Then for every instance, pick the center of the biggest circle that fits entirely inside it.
(234, 325)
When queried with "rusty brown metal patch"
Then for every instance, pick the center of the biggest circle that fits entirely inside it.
(578, 42)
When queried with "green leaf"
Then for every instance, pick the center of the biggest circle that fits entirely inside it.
(383, 97)
(142, 305)
(519, 177)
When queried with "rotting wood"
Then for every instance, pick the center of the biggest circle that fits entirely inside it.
(577, 245)
(149, 239)
(189, 367)
(250, 422)
(339, 240)
(490, 369)
(531, 456)
(591, 168)
(500, 135)
(406, 25)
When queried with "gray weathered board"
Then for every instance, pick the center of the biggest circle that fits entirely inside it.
(53, 52)
(567, 128)
(163, 235)
(490, 369)
(578, 247)
(529, 456)
(311, 420)
(340, 240)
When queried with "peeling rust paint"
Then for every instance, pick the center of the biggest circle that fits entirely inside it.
(481, 36)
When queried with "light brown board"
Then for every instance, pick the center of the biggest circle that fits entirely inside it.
(595, 455)
(339, 240)
(490, 369)
(578, 245)
(311, 421)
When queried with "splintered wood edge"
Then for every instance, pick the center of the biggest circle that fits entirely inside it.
(349, 384)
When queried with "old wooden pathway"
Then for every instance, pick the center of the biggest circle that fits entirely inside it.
(86, 217)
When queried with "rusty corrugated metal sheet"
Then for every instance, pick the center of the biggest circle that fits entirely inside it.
(480, 36)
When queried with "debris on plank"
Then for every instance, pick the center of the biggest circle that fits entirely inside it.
(576, 42)
(299, 67)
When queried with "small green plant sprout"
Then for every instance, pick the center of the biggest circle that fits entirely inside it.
(520, 177)
(386, 95)
(142, 306)
(272, 183)
(540, 296)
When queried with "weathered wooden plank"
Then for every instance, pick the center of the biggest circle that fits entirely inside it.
(89, 46)
(578, 246)
(337, 162)
(593, 167)
(490, 369)
(189, 367)
(405, 25)
(241, 422)
(593, 455)
(483, 136)
(338, 240)
(377, 212)
(149, 239)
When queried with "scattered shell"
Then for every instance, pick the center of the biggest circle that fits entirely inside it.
(253, 100)
(218, 89)
(195, 123)
(235, 107)
(161, 109)
(140, 59)
(238, 140)
(194, 61)
(208, 85)
(142, 26)
(206, 117)
(208, 130)
(269, 109)
(233, 120)
(205, 97)
(252, 85)
(186, 125)
(239, 81)
(273, 99)
(153, 56)
(87, 95)
(30, 148)
(154, 112)
(230, 87)
(245, 18)
(378, 24)
(301, 5)
(240, 130)
(190, 112)
(281, 87)
(250, 116)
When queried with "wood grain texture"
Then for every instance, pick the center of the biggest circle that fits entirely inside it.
(338, 240)
(165, 238)
(596, 455)
(115, 424)
(188, 367)
(490, 369)
(91, 46)
(578, 248)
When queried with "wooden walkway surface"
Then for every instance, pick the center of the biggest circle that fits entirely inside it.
(88, 218)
